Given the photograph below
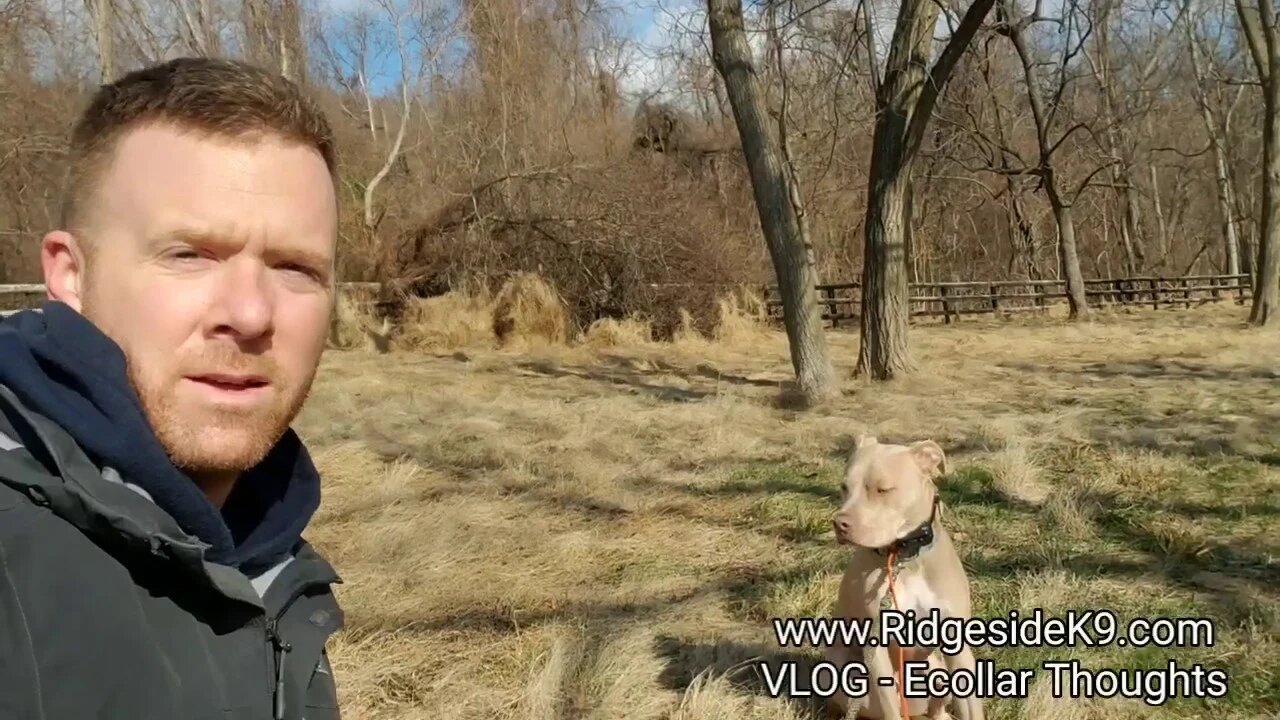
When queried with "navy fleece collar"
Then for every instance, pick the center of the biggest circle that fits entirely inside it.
(60, 365)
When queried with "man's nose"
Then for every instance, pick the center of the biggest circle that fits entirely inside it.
(244, 304)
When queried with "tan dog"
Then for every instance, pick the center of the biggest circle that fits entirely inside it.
(889, 501)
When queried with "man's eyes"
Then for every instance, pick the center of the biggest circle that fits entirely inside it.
(188, 253)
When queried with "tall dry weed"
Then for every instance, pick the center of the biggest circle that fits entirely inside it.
(528, 311)
(742, 318)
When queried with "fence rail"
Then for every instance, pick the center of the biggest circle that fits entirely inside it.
(842, 302)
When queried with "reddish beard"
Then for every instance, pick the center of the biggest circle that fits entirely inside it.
(219, 439)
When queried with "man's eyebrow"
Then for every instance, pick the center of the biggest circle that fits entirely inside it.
(194, 236)
(321, 261)
(189, 235)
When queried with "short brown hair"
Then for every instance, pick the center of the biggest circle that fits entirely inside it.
(223, 98)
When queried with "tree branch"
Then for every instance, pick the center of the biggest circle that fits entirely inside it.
(941, 71)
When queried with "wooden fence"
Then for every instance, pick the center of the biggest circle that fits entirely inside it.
(18, 297)
(841, 303)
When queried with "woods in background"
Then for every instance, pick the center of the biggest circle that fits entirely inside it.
(480, 138)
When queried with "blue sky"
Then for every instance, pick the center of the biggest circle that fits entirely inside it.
(647, 25)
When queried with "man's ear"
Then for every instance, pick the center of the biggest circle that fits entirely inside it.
(930, 457)
(64, 267)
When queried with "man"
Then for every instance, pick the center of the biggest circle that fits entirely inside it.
(152, 494)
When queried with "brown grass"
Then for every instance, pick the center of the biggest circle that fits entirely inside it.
(602, 530)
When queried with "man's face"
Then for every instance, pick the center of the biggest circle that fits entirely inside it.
(212, 267)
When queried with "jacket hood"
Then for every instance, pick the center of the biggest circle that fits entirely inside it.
(60, 365)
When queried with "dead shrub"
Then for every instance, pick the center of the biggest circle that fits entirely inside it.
(607, 332)
(529, 311)
(447, 322)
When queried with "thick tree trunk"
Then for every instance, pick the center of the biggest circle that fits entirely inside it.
(1263, 38)
(1266, 301)
(790, 250)
(884, 351)
(904, 104)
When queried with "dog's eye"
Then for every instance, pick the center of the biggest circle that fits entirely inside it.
(883, 490)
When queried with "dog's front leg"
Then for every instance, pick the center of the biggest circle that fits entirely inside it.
(967, 708)
(880, 665)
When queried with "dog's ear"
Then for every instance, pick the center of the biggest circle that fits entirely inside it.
(930, 457)
(866, 441)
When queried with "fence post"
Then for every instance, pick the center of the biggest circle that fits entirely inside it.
(946, 304)
(995, 299)
(830, 301)
(1155, 293)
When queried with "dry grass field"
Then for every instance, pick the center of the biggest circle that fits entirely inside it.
(603, 530)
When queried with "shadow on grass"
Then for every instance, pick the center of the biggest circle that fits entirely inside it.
(705, 371)
(748, 668)
(638, 381)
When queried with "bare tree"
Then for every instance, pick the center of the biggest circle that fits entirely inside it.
(905, 99)
(1258, 22)
(1062, 197)
(775, 192)
(1122, 102)
(1217, 129)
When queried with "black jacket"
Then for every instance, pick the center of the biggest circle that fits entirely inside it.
(112, 606)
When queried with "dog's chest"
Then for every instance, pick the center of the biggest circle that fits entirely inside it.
(914, 593)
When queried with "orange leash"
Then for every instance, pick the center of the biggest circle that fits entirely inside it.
(902, 667)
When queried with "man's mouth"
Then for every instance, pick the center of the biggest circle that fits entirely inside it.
(228, 382)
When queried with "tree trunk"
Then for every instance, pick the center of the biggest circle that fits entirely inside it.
(1225, 203)
(1231, 243)
(1266, 303)
(293, 55)
(254, 16)
(904, 104)
(104, 27)
(790, 250)
(1263, 38)
(884, 351)
(1077, 301)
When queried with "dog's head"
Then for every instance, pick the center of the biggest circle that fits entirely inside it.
(887, 491)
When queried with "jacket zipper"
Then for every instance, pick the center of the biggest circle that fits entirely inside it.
(281, 646)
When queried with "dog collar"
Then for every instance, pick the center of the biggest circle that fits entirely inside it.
(913, 543)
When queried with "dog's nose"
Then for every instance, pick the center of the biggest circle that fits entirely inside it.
(840, 524)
